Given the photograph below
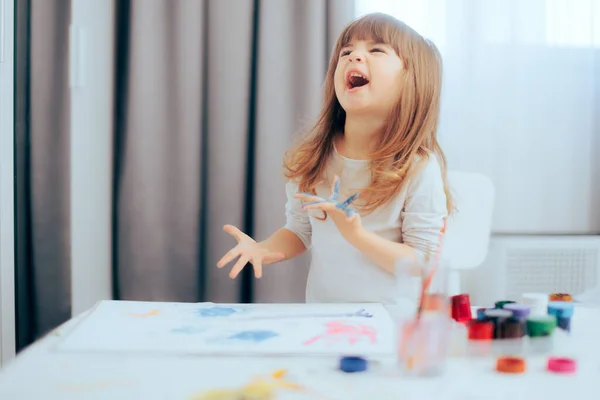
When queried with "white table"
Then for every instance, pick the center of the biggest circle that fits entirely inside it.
(40, 373)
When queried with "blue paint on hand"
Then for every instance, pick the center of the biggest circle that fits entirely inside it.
(254, 336)
(216, 311)
(333, 199)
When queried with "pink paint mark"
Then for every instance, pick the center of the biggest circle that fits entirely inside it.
(338, 331)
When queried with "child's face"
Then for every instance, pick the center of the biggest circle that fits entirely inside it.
(367, 78)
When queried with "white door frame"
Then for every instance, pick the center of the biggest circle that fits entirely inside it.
(7, 216)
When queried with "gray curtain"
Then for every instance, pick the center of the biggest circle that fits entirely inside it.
(43, 277)
(214, 92)
(208, 94)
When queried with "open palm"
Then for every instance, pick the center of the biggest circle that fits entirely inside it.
(248, 251)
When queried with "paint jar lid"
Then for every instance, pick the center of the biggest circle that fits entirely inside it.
(353, 364)
(541, 326)
(518, 310)
(497, 313)
(502, 303)
(461, 307)
(510, 365)
(560, 297)
(561, 365)
(480, 330)
(481, 313)
(534, 299)
(560, 309)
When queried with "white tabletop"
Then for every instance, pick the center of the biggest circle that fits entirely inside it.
(41, 373)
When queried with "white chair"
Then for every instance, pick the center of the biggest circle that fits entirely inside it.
(469, 228)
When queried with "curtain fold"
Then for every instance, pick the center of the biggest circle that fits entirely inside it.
(43, 277)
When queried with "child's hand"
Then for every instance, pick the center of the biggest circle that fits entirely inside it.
(248, 251)
(345, 218)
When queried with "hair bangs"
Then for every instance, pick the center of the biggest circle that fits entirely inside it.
(380, 28)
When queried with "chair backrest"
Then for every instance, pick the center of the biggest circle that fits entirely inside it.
(469, 228)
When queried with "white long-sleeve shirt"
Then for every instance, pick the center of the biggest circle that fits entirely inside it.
(341, 273)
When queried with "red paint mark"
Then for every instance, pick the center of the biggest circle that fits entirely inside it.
(338, 331)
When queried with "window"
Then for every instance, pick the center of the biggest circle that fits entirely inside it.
(553, 23)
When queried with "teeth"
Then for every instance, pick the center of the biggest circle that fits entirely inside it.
(358, 75)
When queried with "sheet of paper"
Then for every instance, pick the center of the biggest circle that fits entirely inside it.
(210, 328)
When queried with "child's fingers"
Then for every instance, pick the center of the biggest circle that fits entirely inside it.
(229, 256)
(319, 206)
(308, 197)
(257, 265)
(236, 233)
(239, 265)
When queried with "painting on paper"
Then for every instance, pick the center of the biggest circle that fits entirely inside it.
(210, 328)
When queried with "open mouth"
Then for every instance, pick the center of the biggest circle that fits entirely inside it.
(356, 80)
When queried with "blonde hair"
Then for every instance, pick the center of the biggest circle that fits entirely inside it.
(411, 130)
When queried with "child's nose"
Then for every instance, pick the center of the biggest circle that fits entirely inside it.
(355, 57)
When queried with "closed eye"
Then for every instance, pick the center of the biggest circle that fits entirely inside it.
(377, 50)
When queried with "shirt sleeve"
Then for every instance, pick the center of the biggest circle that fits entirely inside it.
(297, 219)
(424, 209)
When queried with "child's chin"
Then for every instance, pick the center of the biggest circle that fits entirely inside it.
(356, 106)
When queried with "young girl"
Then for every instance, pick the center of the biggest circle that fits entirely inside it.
(375, 137)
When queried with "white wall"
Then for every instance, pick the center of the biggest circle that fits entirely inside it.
(91, 151)
(7, 266)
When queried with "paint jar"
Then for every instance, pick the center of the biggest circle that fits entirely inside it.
(563, 311)
(510, 337)
(460, 311)
(540, 331)
(497, 317)
(537, 302)
(480, 336)
(520, 312)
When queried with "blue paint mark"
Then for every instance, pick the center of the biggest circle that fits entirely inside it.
(189, 330)
(216, 311)
(254, 336)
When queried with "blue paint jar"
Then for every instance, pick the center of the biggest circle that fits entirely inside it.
(563, 311)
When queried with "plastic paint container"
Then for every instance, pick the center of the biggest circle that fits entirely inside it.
(538, 303)
(480, 336)
(519, 311)
(510, 337)
(497, 316)
(563, 311)
(540, 331)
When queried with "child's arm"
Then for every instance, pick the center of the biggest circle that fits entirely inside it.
(422, 220)
(284, 241)
(295, 237)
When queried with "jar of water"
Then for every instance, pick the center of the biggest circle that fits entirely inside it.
(424, 332)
